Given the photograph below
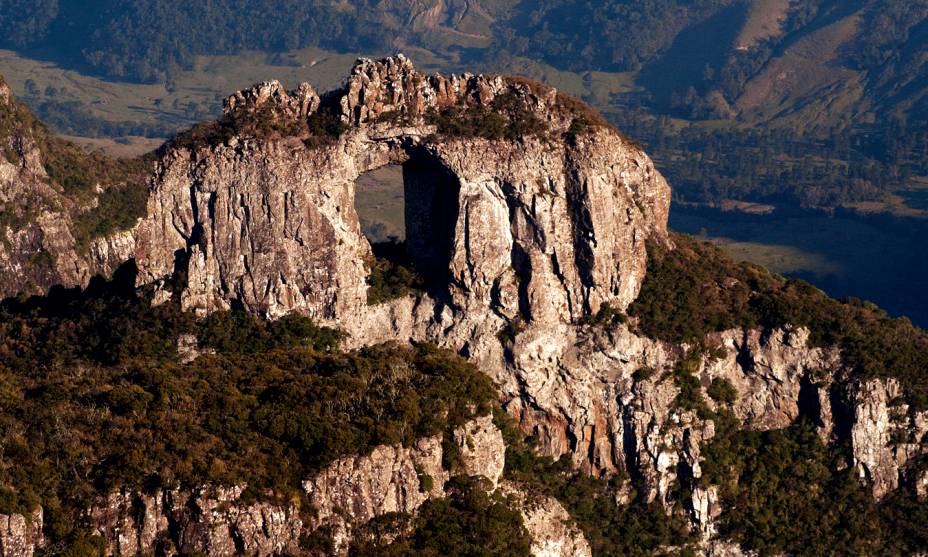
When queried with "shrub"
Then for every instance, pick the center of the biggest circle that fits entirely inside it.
(643, 373)
(785, 492)
(470, 521)
(721, 390)
(606, 316)
(391, 274)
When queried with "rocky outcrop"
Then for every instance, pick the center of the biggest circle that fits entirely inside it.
(550, 526)
(550, 225)
(222, 522)
(212, 521)
(354, 490)
(885, 434)
(777, 376)
(523, 239)
(541, 226)
(389, 480)
(21, 535)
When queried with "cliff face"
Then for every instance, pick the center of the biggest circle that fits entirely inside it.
(548, 227)
(348, 493)
(39, 208)
(523, 237)
(32, 219)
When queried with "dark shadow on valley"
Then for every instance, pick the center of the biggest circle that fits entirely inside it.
(880, 258)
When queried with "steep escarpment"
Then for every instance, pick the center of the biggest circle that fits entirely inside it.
(645, 379)
(257, 438)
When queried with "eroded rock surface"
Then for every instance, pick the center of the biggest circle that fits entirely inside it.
(21, 536)
(885, 434)
(219, 522)
(550, 526)
(524, 239)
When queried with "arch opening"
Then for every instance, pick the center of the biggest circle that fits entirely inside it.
(408, 213)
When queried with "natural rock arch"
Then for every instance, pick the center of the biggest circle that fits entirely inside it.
(543, 225)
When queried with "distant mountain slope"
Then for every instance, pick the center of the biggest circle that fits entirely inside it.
(814, 61)
(817, 103)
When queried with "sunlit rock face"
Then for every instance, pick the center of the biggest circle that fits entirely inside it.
(551, 225)
(521, 238)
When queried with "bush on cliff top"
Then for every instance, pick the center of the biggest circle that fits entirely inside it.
(695, 289)
(94, 398)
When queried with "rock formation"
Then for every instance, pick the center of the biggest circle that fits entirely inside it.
(218, 521)
(549, 525)
(523, 239)
(21, 536)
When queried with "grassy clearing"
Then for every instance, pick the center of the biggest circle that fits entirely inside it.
(379, 199)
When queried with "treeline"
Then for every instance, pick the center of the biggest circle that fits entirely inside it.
(94, 397)
(778, 165)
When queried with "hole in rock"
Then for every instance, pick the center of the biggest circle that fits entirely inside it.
(408, 213)
(380, 205)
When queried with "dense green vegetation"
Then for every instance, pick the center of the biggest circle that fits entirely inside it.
(780, 166)
(695, 289)
(78, 173)
(391, 274)
(636, 529)
(93, 379)
(469, 522)
(785, 492)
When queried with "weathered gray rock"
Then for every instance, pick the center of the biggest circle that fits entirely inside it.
(770, 369)
(213, 521)
(216, 521)
(21, 536)
(885, 435)
(481, 449)
(553, 531)
(389, 480)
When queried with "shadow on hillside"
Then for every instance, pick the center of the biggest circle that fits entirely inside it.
(880, 258)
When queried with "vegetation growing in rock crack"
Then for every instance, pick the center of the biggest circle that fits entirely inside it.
(391, 274)
(635, 529)
(470, 521)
